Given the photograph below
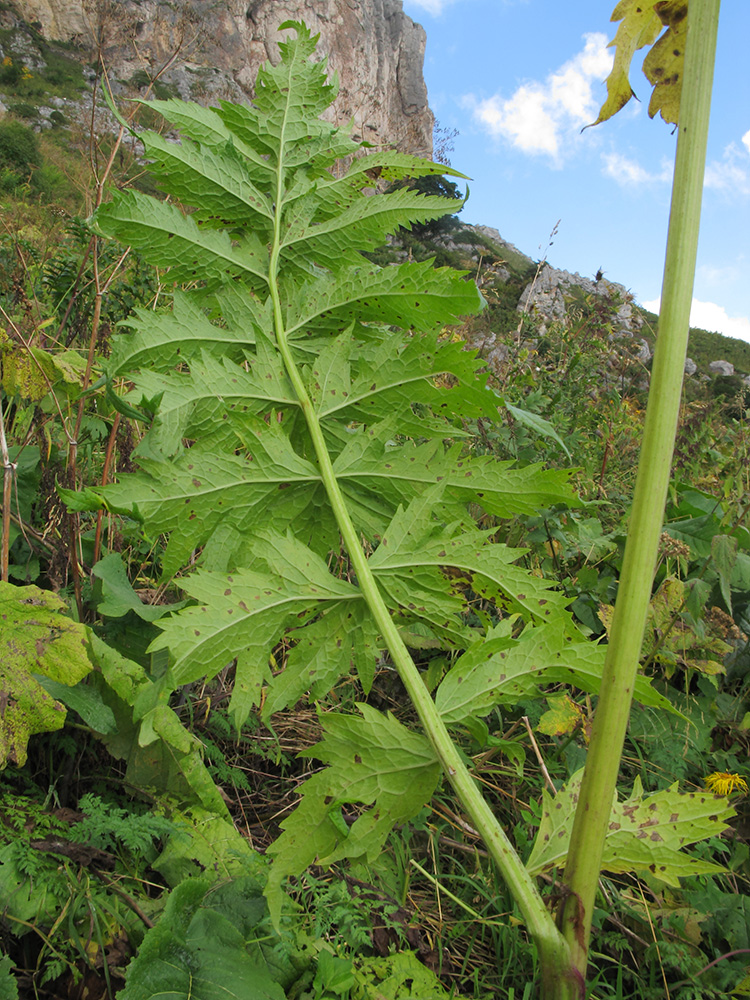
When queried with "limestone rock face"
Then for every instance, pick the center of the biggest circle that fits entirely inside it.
(721, 368)
(544, 299)
(60, 19)
(376, 49)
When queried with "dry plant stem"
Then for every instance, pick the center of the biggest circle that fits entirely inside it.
(545, 773)
(554, 954)
(105, 477)
(621, 666)
(9, 469)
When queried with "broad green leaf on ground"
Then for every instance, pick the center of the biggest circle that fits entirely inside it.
(640, 26)
(30, 900)
(199, 949)
(646, 833)
(8, 983)
(203, 841)
(36, 637)
(374, 761)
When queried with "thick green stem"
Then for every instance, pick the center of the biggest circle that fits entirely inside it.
(634, 593)
(554, 955)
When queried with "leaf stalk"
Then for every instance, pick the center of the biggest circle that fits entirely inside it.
(554, 952)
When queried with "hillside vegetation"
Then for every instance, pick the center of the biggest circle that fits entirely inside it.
(159, 747)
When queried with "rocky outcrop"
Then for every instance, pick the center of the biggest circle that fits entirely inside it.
(721, 368)
(213, 48)
(57, 19)
(546, 299)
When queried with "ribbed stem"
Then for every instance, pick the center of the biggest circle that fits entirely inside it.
(634, 592)
(553, 951)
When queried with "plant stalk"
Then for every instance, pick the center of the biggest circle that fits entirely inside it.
(621, 666)
(554, 955)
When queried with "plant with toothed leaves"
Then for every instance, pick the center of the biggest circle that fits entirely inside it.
(306, 443)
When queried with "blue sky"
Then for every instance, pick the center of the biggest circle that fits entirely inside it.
(520, 78)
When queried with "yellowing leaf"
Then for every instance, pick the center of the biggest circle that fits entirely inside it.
(37, 638)
(664, 63)
(562, 717)
(642, 21)
(640, 26)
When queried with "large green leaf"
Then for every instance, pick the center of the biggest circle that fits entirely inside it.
(500, 671)
(647, 833)
(375, 762)
(161, 340)
(169, 239)
(37, 637)
(248, 610)
(411, 295)
(206, 947)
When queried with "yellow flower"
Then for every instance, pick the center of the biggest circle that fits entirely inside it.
(722, 783)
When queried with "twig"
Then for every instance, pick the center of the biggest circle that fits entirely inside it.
(547, 780)
(9, 469)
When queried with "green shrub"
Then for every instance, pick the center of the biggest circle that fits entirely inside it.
(19, 148)
(10, 72)
(23, 109)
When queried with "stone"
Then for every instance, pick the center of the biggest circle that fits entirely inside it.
(721, 368)
(376, 49)
(544, 299)
(644, 352)
(690, 366)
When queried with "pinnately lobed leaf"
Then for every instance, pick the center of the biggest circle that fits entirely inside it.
(647, 833)
(301, 394)
(640, 24)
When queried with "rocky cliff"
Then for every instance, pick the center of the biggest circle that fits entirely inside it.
(213, 48)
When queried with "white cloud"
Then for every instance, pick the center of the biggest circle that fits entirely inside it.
(732, 172)
(432, 6)
(713, 317)
(711, 274)
(541, 116)
(629, 173)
